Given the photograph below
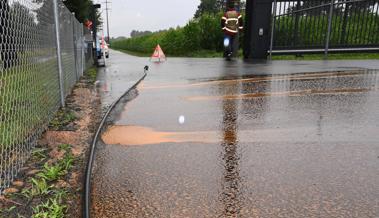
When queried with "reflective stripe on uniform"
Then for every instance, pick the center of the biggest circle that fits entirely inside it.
(239, 16)
(224, 18)
(232, 19)
(229, 30)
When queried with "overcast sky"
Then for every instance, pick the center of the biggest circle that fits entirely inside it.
(128, 15)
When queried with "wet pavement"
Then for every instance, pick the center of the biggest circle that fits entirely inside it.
(208, 138)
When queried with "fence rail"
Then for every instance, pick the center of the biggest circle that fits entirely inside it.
(31, 90)
(324, 25)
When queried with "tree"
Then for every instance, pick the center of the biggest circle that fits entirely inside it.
(81, 8)
(210, 7)
(216, 6)
(136, 33)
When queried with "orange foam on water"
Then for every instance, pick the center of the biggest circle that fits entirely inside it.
(137, 135)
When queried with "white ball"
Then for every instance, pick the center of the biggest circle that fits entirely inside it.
(181, 119)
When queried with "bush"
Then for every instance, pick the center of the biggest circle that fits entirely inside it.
(211, 33)
(203, 33)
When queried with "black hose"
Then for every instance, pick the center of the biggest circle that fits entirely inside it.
(87, 181)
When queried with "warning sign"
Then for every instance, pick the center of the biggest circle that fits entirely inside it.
(158, 55)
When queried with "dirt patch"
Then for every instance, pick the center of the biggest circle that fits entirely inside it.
(85, 97)
(69, 133)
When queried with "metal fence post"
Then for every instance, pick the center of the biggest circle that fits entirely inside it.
(59, 57)
(83, 47)
(329, 28)
(297, 17)
(272, 29)
(75, 47)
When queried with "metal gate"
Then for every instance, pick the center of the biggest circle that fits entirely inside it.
(322, 26)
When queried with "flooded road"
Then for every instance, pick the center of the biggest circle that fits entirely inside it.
(208, 138)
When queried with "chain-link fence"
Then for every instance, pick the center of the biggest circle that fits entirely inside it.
(39, 65)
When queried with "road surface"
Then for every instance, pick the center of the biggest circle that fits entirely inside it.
(209, 138)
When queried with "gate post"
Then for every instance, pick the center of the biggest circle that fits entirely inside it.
(257, 27)
(273, 19)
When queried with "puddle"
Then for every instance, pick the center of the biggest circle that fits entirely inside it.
(258, 79)
(137, 135)
(282, 94)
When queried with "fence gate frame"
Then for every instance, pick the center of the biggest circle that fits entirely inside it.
(262, 15)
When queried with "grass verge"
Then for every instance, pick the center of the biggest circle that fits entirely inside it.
(196, 54)
(29, 96)
(214, 54)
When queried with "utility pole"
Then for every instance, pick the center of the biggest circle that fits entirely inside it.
(94, 29)
(107, 9)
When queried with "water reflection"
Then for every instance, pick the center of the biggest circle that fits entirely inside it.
(230, 196)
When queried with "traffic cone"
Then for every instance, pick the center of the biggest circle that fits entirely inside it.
(158, 55)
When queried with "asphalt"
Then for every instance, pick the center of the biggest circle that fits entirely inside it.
(210, 138)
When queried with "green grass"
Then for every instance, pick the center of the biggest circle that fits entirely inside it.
(29, 95)
(52, 208)
(51, 172)
(205, 54)
(40, 187)
(91, 73)
(7, 210)
(65, 147)
(29, 98)
(39, 154)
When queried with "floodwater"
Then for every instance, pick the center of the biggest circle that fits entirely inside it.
(205, 138)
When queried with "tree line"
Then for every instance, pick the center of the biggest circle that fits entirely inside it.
(353, 24)
(203, 32)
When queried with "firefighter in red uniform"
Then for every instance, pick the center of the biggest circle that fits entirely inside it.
(231, 24)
